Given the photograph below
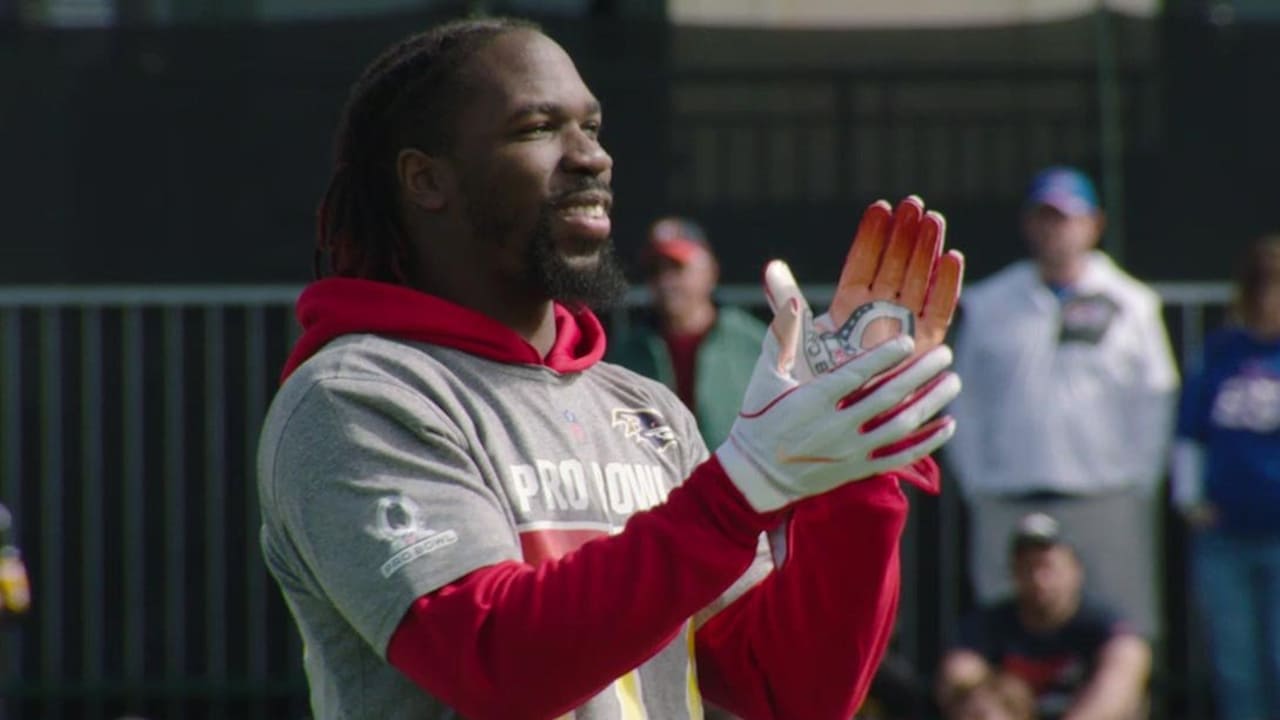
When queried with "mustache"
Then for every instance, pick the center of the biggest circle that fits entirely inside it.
(584, 185)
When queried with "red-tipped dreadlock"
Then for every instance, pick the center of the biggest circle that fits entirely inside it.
(403, 99)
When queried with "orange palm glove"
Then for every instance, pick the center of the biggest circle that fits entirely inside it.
(896, 280)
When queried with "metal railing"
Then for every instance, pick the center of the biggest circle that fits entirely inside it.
(129, 419)
(128, 424)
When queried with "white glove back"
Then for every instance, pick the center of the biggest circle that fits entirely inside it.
(794, 440)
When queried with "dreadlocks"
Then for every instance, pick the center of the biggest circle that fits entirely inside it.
(404, 98)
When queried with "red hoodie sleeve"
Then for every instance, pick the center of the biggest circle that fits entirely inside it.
(806, 641)
(515, 640)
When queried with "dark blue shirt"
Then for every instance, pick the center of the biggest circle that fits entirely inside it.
(1232, 407)
(1056, 664)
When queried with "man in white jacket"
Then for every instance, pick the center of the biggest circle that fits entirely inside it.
(1069, 392)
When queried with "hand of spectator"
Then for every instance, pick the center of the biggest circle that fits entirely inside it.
(895, 279)
(1200, 516)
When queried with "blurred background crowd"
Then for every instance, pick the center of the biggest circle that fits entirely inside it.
(1107, 541)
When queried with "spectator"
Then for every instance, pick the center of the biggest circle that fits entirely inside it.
(703, 352)
(898, 691)
(1078, 656)
(1069, 394)
(15, 586)
(998, 696)
(1226, 482)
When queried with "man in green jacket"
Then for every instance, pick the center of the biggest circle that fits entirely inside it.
(703, 351)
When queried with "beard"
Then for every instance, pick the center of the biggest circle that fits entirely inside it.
(599, 286)
(547, 270)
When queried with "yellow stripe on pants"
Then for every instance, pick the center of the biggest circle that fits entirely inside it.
(627, 689)
(694, 696)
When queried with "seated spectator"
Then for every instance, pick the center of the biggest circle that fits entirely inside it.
(998, 696)
(898, 691)
(1078, 656)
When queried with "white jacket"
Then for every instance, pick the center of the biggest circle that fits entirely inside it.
(1073, 417)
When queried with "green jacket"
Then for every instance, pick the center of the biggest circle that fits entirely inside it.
(726, 357)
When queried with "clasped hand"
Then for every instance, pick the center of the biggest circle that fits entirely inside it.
(854, 391)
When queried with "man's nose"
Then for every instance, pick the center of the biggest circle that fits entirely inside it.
(585, 154)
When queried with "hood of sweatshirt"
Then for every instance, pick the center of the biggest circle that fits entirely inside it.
(330, 308)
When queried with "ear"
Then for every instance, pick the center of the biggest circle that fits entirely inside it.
(426, 181)
(1099, 226)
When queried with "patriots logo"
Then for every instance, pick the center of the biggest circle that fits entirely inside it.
(826, 346)
(644, 425)
(1085, 319)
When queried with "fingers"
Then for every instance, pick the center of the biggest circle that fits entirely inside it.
(863, 260)
(905, 378)
(906, 438)
(902, 241)
(780, 285)
(788, 305)
(786, 328)
(905, 417)
(944, 294)
(918, 444)
(919, 272)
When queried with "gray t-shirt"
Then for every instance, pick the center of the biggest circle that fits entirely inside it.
(389, 469)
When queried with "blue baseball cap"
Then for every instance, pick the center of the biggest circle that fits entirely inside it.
(1065, 189)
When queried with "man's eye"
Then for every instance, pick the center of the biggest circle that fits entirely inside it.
(537, 129)
(591, 128)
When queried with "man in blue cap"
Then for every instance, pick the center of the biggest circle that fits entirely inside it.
(1068, 402)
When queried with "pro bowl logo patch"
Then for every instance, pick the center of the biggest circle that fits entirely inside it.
(644, 425)
(398, 521)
